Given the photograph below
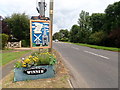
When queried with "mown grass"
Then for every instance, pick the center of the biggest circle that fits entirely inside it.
(9, 56)
(98, 47)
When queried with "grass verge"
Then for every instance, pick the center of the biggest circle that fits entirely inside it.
(9, 56)
(97, 47)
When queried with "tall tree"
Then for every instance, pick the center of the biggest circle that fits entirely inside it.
(19, 26)
(5, 28)
(56, 36)
(64, 33)
(112, 24)
(97, 21)
(112, 17)
(84, 24)
(74, 36)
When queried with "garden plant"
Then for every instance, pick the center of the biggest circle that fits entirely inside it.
(37, 59)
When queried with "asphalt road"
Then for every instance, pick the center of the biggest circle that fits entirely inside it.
(92, 68)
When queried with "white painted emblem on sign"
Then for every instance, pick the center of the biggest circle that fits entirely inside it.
(38, 28)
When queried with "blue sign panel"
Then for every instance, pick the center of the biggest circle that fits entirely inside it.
(40, 34)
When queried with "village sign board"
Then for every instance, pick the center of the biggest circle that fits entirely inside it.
(40, 34)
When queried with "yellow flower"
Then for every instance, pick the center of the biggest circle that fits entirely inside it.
(27, 60)
(24, 64)
(19, 61)
(34, 60)
(30, 56)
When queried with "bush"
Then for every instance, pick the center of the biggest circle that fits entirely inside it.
(3, 40)
(97, 38)
(113, 39)
(64, 39)
(25, 43)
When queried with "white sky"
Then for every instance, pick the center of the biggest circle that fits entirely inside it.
(66, 12)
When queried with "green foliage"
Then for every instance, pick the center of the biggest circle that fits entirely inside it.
(97, 21)
(37, 59)
(99, 28)
(113, 39)
(62, 35)
(25, 43)
(47, 59)
(97, 37)
(112, 17)
(18, 65)
(56, 36)
(81, 33)
(112, 24)
(85, 28)
(64, 39)
(84, 21)
(19, 25)
(74, 37)
(3, 40)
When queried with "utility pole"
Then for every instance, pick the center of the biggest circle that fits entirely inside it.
(51, 19)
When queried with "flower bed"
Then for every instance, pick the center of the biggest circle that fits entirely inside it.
(36, 66)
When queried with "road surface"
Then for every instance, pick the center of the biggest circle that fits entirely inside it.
(92, 68)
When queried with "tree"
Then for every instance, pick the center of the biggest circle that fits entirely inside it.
(74, 37)
(112, 24)
(56, 36)
(112, 17)
(3, 39)
(97, 38)
(5, 28)
(19, 26)
(97, 21)
(84, 20)
(113, 39)
(85, 28)
(64, 35)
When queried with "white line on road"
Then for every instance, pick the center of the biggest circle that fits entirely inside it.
(75, 48)
(96, 54)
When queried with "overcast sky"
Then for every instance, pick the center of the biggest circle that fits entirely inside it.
(66, 12)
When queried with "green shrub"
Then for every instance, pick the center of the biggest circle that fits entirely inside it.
(36, 59)
(3, 40)
(25, 43)
(64, 39)
(97, 37)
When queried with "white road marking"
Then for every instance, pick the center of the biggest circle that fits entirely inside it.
(75, 48)
(70, 83)
(97, 54)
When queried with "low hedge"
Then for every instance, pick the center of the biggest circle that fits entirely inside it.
(3, 40)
